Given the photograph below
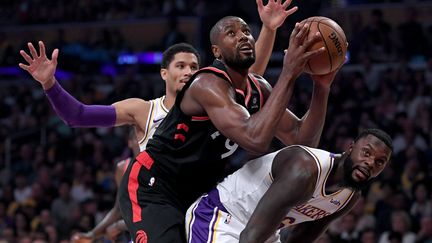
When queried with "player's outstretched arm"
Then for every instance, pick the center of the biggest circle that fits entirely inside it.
(310, 231)
(71, 111)
(272, 17)
(294, 172)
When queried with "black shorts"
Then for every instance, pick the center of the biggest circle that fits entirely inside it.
(149, 215)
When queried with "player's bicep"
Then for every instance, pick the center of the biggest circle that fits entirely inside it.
(217, 99)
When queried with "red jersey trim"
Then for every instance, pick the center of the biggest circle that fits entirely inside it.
(144, 159)
(257, 84)
(218, 71)
(133, 189)
(200, 118)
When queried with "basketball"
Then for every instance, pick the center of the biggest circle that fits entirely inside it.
(333, 39)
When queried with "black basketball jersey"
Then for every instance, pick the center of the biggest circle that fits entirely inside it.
(190, 154)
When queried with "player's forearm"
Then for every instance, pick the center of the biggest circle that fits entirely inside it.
(262, 126)
(313, 121)
(121, 225)
(112, 217)
(75, 113)
(264, 47)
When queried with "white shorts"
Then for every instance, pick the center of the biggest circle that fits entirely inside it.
(208, 221)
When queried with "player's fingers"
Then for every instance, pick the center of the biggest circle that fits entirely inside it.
(41, 49)
(304, 31)
(54, 55)
(23, 66)
(260, 4)
(286, 4)
(279, 2)
(32, 50)
(26, 56)
(311, 41)
(295, 30)
(291, 10)
(313, 53)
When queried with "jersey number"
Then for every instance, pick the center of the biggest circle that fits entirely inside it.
(231, 146)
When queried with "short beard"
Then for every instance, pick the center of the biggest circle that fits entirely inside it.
(238, 62)
(348, 179)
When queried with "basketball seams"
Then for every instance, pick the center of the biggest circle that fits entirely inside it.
(336, 30)
(327, 47)
(338, 33)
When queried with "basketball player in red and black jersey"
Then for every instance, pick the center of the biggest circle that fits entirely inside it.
(222, 109)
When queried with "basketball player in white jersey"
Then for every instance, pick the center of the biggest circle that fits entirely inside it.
(297, 186)
(179, 63)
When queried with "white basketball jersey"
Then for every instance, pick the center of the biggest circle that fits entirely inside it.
(156, 115)
(241, 191)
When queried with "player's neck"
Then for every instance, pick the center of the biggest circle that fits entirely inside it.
(335, 178)
(238, 77)
(169, 100)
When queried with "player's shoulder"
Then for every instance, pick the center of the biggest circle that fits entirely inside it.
(295, 155)
(264, 84)
(209, 80)
(301, 151)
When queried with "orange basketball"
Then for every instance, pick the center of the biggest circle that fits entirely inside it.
(333, 39)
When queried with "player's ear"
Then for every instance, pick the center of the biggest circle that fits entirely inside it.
(350, 147)
(164, 73)
(216, 51)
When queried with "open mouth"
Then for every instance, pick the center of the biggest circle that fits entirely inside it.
(185, 80)
(361, 173)
(246, 48)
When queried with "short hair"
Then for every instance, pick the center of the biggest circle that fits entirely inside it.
(168, 54)
(380, 134)
(215, 30)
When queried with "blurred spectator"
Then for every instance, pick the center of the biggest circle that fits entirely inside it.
(62, 210)
(349, 233)
(413, 40)
(400, 231)
(173, 35)
(422, 203)
(425, 233)
(378, 43)
(368, 236)
(22, 191)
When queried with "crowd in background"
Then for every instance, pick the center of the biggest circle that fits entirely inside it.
(58, 180)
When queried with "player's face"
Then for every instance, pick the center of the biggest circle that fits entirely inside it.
(367, 159)
(236, 44)
(178, 72)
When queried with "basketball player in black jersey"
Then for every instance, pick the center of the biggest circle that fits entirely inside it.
(222, 111)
